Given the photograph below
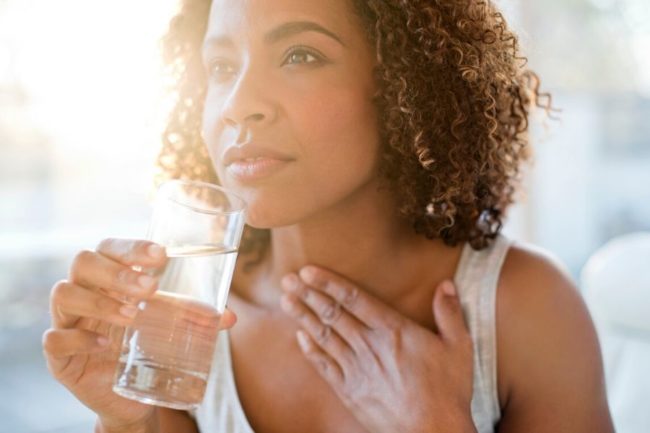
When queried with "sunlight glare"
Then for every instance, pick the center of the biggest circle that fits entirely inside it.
(91, 70)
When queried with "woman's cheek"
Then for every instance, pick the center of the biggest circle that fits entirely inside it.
(340, 127)
(215, 137)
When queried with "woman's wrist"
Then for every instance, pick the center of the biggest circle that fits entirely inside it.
(457, 423)
(148, 425)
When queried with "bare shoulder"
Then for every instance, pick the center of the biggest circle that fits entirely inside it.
(550, 373)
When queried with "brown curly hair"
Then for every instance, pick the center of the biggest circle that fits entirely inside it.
(453, 101)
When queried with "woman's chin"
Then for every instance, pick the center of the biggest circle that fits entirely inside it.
(258, 225)
(260, 218)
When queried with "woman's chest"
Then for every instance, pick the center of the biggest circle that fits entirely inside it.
(279, 390)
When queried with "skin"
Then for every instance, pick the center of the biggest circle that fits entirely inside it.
(87, 307)
(398, 356)
(325, 208)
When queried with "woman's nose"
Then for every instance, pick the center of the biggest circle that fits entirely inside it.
(248, 120)
(248, 104)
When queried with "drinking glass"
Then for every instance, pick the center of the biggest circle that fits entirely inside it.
(167, 352)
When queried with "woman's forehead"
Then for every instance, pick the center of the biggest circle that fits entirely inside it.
(257, 17)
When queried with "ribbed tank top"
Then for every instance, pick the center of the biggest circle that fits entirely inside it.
(476, 279)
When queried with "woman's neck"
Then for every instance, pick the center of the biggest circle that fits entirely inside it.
(364, 240)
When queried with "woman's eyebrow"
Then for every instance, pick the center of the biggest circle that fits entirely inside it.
(281, 32)
(294, 27)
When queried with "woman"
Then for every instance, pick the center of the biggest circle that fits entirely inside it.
(378, 144)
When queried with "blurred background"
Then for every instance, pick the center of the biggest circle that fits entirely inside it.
(80, 115)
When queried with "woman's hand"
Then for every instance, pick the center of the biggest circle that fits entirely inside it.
(89, 315)
(393, 374)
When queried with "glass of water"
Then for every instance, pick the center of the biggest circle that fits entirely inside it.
(167, 353)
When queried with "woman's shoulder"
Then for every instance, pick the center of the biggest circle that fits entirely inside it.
(548, 353)
(533, 285)
(531, 274)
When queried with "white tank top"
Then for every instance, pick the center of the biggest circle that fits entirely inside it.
(476, 279)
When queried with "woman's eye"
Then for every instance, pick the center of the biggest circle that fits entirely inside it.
(220, 70)
(301, 56)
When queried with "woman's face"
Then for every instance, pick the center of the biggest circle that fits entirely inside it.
(289, 120)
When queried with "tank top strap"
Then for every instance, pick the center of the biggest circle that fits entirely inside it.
(476, 278)
(221, 409)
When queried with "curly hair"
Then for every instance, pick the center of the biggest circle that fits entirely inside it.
(453, 98)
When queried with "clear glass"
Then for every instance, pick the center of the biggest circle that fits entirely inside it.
(167, 353)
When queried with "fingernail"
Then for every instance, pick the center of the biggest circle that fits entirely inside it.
(303, 341)
(155, 251)
(290, 282)
(102, 341)
(308, 273)
(448, 288)
(145, 281)
(129, 311)
(288, 303)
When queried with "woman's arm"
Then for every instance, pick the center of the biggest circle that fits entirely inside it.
(549, 361)
(176, 421)
(163, 421)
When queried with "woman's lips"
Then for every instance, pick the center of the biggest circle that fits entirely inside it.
(255, 168)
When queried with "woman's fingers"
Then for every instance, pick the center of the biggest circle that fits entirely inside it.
(100, 279)
(329, 313)
(325, 364)
(69, 302)
(228, 320)
(60, 344)
(93, 270)
(449, 314)
(328, 340)
(367, 309)
(133, 252)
